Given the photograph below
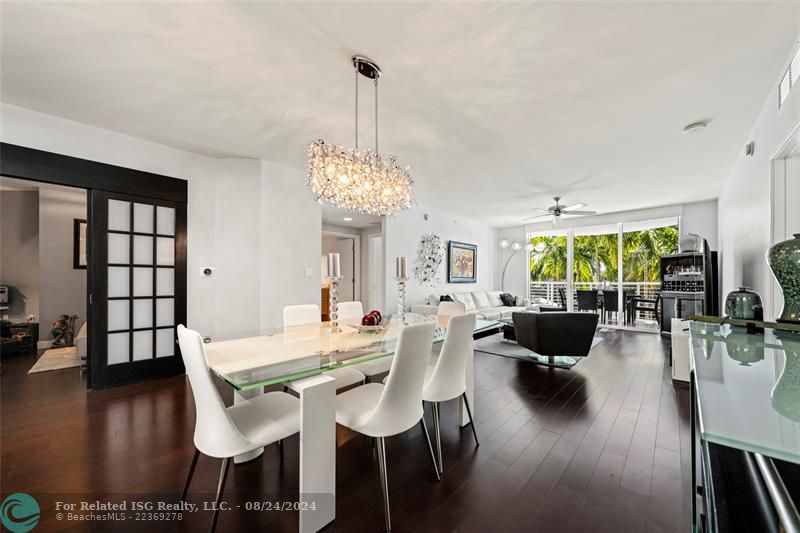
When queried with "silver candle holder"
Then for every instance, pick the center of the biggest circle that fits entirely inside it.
(401, 277)
(334, 304)
(401, 297)
(334, 275)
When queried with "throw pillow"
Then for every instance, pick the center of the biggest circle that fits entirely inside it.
(494, 298)
(445, 298)
(481, 300)
(508, 300)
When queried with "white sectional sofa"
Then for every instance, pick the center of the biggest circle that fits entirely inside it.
(485, 305)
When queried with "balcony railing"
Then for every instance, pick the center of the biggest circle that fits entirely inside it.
(556, 291)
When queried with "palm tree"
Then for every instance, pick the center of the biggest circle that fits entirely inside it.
(595, 256)
(549, 258)
(642, 250)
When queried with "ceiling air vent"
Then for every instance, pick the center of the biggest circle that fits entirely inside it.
(790, 79)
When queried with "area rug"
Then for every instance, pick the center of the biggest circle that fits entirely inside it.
(56, 359)
(495, 345)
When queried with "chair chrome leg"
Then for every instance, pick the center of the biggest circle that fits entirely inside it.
(438, 433)
(191, 473)
(430, 447)
(222, 475)
(384, 481)
(471, 421)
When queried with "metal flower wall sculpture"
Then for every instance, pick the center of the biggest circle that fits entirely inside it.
(430, 253)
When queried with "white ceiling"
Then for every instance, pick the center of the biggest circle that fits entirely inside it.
(496, 106)
(334, 215)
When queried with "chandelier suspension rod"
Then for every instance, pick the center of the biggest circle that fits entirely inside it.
(355, 69)
(376, 116)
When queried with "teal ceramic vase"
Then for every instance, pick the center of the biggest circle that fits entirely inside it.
(742, 304)
(784, 260)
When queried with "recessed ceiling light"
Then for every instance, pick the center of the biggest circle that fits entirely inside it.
(348, 219)
(694, 127)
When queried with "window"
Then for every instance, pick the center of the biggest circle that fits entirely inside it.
(790, 79)
(601, 268)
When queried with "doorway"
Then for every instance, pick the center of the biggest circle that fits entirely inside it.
(349, 249)
(131, 245)
(785, 203)
(43, 274)
(375, 271)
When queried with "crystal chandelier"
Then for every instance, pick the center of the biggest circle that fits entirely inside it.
(359, 179)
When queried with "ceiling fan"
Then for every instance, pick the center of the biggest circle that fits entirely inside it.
(559, 209)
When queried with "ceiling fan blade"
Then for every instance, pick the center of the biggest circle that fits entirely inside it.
(537, 216)
(579, 205)
(539, 209)
(579, 212)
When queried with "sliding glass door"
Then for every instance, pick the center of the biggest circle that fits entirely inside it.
(549, 260)
(643, 244)
(612, 269)
(595, 269)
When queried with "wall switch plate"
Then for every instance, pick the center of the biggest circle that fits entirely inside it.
(309, 272)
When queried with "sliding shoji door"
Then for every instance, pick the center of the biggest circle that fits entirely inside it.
(139, 287)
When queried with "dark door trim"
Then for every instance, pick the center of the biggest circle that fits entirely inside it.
(37, 165)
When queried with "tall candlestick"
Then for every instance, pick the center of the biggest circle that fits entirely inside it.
(400, 268)
(334, 265)
(401, 277)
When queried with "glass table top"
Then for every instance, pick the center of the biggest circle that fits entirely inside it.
(258, 358)
(748, 388)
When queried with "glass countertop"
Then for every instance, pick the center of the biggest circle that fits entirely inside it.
(748, 388)
(255, 359)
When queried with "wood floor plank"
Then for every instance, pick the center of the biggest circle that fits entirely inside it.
(602, 447)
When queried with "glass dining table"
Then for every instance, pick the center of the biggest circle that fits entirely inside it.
(250, 361)
(255, 359)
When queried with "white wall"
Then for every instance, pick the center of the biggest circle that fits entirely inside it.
(251, 220)
(402, 236)
(700, 218)
(291, 242)
(745, 201)
(62, 289)
(19, 252)
(516, 279)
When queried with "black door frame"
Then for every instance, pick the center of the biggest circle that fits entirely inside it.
(37, 165)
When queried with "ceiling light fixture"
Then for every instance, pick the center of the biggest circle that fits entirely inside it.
(348, 219)
(694, 127)
(359, 180)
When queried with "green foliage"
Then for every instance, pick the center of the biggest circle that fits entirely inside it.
(596, 255)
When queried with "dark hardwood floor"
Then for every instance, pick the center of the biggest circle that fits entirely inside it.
(601, 447)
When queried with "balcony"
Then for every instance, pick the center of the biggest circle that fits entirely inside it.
(555, 291)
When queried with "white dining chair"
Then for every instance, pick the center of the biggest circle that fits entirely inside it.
(302, 315)
(298, 315)
(224, 432)
(451, 309)
(381, 411)
(447, 380)
(350, 311)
